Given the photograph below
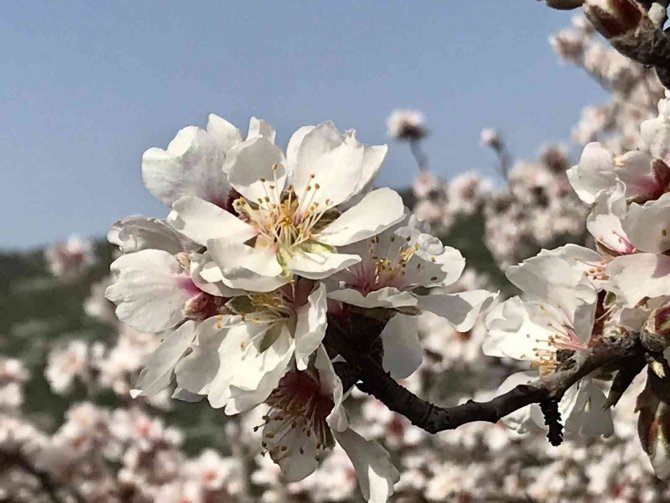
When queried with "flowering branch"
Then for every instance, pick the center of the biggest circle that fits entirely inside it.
(433, 419)
(634, 32)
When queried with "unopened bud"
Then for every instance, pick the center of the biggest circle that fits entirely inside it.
(564, 4)
(614, 18)
(655, 334)
(654, 424)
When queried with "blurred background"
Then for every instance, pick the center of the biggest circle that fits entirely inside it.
(484, 106)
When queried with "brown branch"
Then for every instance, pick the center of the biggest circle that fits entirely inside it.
(433, 419)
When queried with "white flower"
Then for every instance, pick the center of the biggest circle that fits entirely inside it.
(65, 364)
(239, 359)
(555, 321)
(69, 258)
(395, 265)
(405, 124)
(305, 420)
(191, 165)
(293, 211)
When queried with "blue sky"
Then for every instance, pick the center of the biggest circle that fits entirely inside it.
(88, 86)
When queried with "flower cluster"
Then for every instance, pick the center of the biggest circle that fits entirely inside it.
(262, 254)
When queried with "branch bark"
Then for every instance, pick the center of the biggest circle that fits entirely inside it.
(433, 419)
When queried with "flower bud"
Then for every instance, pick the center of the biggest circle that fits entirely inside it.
(564, 4)
(613, 18)
(655, 333)
(654, 423)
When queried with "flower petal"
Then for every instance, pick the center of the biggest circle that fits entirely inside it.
(595, 172)
(648, 225)
(310, 326)
(149, 290)
(376, 212)
(200, 221)
(157, 372)
(257, 170)
(191, 166)
(247, 268)
(402, 348)
(140, 233)
(459, 309)
(641, 275)
(372, 463)
(319, 265)
(388, 297)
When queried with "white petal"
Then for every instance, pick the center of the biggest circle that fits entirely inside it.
(648, 225)
(595, 172)
(604, 221)
(257, 169)
(331, 385)
(376, 212)
(587, 417)
(325, 174)
(319, 265)
(149, 290)
(520, 420)
(293, 146)
(374, 470)
(200, 262)
(157, 372)
(140, 233)
(247, 268)
(196, 371)
(640, 275)
(459, 309)
(402, 348)
(200, 221)
(223, 132)
(258, 127)
(389, 297)
(311, 326)
(191, 166)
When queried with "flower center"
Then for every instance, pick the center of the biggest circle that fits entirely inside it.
(296, 423)
(285, 221)
(383, 266)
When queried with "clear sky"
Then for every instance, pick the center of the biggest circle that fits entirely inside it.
(86, 87)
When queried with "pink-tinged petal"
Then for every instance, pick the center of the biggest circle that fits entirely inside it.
(387, 297)
(310, 326)
(604, 221)
(461, 310)
(191, 166)
(595, 172)
(247, 268)
(157, 372)
(402, 348)
(148, 290)
(376, 212)
(648, 225)
(634, 277)
(257, 170)
(372, 463)
(201, 221)
(635, 171)
(319, 265)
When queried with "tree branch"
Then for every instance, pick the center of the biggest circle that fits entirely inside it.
(433, 419)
